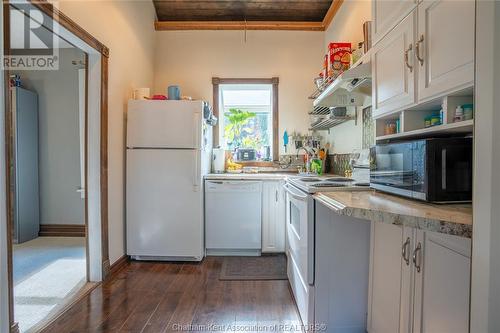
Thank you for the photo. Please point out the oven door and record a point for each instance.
(297, 228)
(299, 245)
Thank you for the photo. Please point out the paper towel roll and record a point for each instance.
(140, 93)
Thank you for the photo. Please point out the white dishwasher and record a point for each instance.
(233, 217)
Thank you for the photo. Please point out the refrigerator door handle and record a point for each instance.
(196, 178)
(197, 130)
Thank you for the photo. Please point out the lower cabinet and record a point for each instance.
(419, 281)
(273, 217)
(390, 291)
(442, 283)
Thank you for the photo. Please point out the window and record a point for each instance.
(247, 112)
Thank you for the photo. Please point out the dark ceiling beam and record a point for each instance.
(238, 25)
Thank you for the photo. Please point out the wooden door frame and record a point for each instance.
(74, 29)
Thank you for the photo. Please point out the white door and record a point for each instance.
(445, 40)
(165, 124)
(273, 217)
(394, 69)
(442, 283)
(386, 14)
(389, 274)
(164, 203)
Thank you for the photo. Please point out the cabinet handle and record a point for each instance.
(417, 50)
(410, 48)
(276, 195)
(415, 252)
(405, 253)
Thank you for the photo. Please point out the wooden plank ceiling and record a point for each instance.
(245, 14)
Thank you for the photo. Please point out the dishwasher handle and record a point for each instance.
(237, 182)
(233, 186)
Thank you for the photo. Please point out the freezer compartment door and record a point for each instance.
(165, 124)
(164, 203)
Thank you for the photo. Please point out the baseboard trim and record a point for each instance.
(118, 265)
(62, 230)
(84, 292)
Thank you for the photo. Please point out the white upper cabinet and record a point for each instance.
(386, 14)
(425, 55)
(273, 217)
(393, 66)
(445, 46)
(442, 283)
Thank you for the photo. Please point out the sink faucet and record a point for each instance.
(309, 153)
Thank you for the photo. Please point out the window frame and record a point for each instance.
(274, 81)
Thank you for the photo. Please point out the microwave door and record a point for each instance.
(393, 166)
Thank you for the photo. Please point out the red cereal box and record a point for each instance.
(339, 58)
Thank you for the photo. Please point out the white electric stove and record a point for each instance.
(300, 233)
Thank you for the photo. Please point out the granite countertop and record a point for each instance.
(452, 219)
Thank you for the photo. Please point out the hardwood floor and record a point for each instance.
(189, 297)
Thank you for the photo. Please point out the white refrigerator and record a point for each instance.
(169, 146)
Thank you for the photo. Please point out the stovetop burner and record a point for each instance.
(339, 179)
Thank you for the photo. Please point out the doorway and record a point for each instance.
(48, 183)
(72, 237)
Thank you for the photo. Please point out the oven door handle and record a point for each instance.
(294, 194)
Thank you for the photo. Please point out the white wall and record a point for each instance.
(485, 292)
(347, 26)
(191, 58)
(126, 27)
(59, 139)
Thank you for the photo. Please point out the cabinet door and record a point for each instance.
(442, 284)
(273, 217)
(445, 40)
(386, 14)
(390, 279)
(394, 69)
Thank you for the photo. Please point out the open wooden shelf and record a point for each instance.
(465, 126)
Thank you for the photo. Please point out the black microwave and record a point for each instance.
(434, 170)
